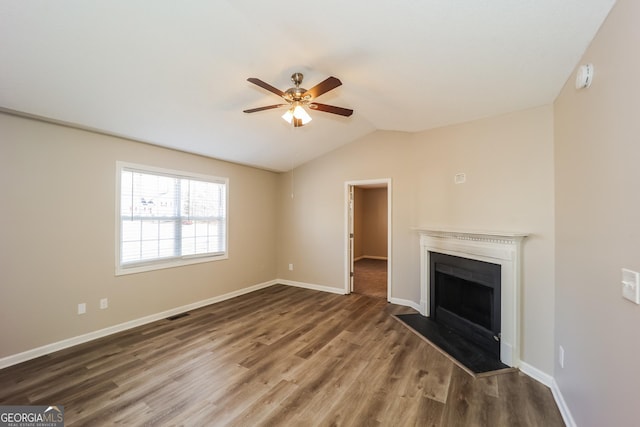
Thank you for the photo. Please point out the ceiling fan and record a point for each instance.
(298, 97)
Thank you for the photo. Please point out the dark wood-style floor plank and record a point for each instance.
(277, 356)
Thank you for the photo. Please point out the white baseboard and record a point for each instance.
(562, 405)
(406, 303)
(69, 342)
(311, 286)
(536, 374)
(550, 382)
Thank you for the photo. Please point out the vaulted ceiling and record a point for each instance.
(174, 73)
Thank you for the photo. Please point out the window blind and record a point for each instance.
(166, 216)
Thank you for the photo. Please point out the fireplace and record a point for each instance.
(498, 248)
(465, 298)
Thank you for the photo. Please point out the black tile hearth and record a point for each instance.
(474, 358)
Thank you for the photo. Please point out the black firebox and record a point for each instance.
(465, 297)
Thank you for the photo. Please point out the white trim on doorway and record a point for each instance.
(372, 183)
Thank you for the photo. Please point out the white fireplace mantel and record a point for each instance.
(494, 247)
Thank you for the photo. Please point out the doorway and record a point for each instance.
(368, 226)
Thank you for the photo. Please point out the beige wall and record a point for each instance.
(58, 237)
(312, 223)
(374, 239)
(508, 162)
(507, 159)
(597, 151)
(370, 222)
(509, 165)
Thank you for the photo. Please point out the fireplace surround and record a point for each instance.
(503, 249)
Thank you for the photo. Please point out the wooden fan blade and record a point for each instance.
(331, 109)
(323, 87)
(266, 86)
(268, 107)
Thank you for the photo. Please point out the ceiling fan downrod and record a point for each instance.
(297, 94)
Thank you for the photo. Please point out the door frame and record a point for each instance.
(348, 226)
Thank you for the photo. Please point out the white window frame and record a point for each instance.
(173, 262)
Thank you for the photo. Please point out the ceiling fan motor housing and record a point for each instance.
(295, 94)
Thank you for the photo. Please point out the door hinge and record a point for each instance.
(351, 274)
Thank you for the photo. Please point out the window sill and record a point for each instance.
(122, 271)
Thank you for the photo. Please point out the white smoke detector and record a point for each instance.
(584, 76)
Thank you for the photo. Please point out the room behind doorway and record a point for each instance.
(370, 242)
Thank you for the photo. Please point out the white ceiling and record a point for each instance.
(173, 73)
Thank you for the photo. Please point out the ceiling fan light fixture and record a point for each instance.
(288, 115)
(297, 115)
(300, 113)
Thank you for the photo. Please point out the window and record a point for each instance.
(168, 218)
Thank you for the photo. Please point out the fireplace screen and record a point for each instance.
(465, 297)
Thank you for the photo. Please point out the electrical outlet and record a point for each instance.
(290, 267)
(561, 356)
(104, 303)
(82, 308)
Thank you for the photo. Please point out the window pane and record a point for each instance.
(188, 246)
(149, 249)
(169, 216)
(149, 230)
(131, 230)
(202, 245)
(130, 252)
(166, 248)
(188, 228)
(126, 194)
(217, 231)
(167, 229)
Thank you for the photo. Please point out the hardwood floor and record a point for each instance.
(281, 356)
(370, 277)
